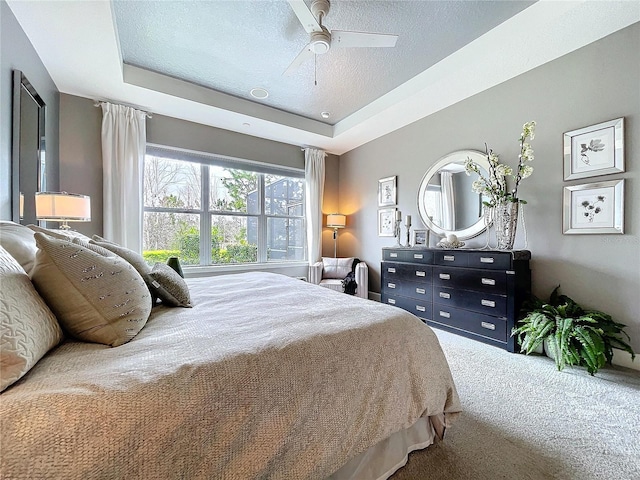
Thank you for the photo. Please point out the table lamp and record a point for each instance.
(63, 207)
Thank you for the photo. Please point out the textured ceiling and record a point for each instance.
(233, 46)
(230, 47)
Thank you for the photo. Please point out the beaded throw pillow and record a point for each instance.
(169, 286)
(28, 329)
(95, 298)
(134, 258)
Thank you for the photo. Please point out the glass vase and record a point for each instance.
(505, 221)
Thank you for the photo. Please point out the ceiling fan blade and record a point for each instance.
(344, 39)
(308, 21)
(302, 57)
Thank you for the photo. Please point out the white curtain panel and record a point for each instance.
(314, 189)
(124, 138)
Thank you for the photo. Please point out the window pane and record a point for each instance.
(285, 239)
(171, 235)
(234, 239)
(283, 195)
(233, 190)
(171, 183)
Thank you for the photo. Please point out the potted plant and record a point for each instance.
(571, 335)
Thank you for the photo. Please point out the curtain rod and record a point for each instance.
(98, 103)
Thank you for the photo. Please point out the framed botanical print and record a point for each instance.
(595, 150)
(386, 222)
(594, 208)
(387, 194)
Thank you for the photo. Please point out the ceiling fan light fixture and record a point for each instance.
(320, 42)
(259, 93)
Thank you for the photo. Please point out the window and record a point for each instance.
(209, 211)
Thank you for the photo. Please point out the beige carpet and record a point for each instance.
(525, 420)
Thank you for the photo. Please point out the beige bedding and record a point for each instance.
(266, 377)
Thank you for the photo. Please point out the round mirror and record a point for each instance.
(446, 202)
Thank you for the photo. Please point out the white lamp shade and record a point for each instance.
(63, 206)
(336, 220)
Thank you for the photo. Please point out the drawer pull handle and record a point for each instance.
(488, 326)
(445, 276)
(391, 301)
(486, 259)
(391, 285)
(445, 314)
(393, 255)
(420, 274)
(488, 303)
(417, 256)
(488, 281)
(450, 258)
(420, 308)
(421, 291)
(391, 270)
(445, 295)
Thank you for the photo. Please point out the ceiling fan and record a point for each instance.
(322, 39)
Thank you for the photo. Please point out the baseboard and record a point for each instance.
(374, 296)
(623, 359)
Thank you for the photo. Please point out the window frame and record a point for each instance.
(206, 214)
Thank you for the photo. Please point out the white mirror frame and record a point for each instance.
(457, 156)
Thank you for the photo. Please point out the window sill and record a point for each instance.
(286, 268)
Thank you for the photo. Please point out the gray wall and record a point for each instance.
(597, 83)
(81, 155)
(17, 53)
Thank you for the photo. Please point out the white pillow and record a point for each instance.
(336, 267)
(95, 298)
(28, 328)
(19, 242)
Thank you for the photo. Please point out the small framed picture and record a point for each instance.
(595, 150)
(386, 222)
(420, 238)
(387, 191)
(594, 208)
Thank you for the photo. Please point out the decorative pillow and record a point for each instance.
(336, 267)
(96, 299)
(94, 247)
(28, 328)
(134, 258)
(59, 233)
(169, 286)
(19, 242)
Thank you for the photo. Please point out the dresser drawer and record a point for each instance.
(484, 325)
(490, 260)
(408, 289)
(490, 281)
(481, 302)
(419, 308)
(407, 255)
(451, 258)
(407, 272)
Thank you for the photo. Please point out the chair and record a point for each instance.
(330, 272)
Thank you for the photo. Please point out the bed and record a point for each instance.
(265, 377)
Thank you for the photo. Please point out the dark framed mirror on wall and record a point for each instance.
(28, 161)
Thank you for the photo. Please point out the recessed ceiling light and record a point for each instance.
(325, 114)
(259, 93)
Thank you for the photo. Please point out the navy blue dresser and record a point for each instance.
(474, 293)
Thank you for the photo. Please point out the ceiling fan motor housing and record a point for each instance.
(320, 42)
